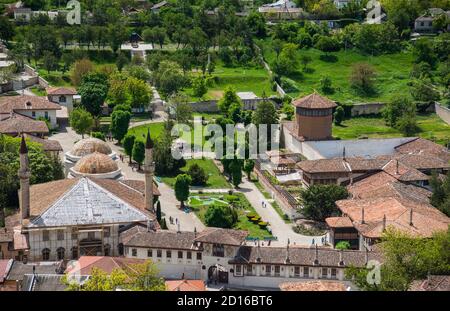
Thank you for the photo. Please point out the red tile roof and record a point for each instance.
(402, 172)
(5, 265)
(339, 222)
(315, 286)
(60, 91)
(186, 285)
(314, 101)
(26, 102)
(17, 123)
(423, 146)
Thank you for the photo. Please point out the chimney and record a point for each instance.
(396, 167)
(366, 255)
(411, 217)
(316, 257)
(178, 227)
(288, 260)
(362, 216)
(384, 222)
(149, 169)
(195, 232)
(343, 153)
(24, 176)
(341, 257)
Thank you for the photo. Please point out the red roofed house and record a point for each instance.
(186, 285)
(62, 96)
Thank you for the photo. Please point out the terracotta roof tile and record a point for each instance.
(60, 91)
(185, 285)
(17, 123)
(316, 286)
(314, 101)
(339, 222)
(85, 264)
(402, 172)
(26, 102)
(432, 283)
(47, 144)
(423, 146)
(222, 236)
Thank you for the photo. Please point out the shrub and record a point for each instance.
(198, 175)
(220, 216)
(263, 224)
(343, 245)
(98, 135)
(251, 215)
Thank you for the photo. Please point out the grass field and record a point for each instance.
(430, 125)
(215, 179)
(242, 79)
(254, 230)
(393, 72)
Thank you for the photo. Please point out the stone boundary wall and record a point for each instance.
(443, 112)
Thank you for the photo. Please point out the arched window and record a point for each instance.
(107, 250)
(45, 254)
(74, 252)
(61, 253)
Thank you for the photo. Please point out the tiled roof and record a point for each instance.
(303, 256)
(47, 144)
(96, 163)
(19, 269)
(314, 101)
(341, 165)
(90, 201)
(60, 91)
(315, 286)
(90, 145)
(26, 102)
(5, 265)
(141, 237)
(423, 146)
(185, 285)
(426, 219)
(43, 283)
(402, 172)
(85, 264)
(432, 283)
(222, 236)
(17, 123)
(422, 161)
(339, 222)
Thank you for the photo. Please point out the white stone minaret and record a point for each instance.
(149, 170)
(24, 176)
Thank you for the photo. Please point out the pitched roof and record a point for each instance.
(85, 264)
(426, 219)
(222, 236)
(141, 237)
(339, 222)
(402, 172)
(19, 269)
(43, 283)
(432, 283)
(26, 102)
(5, 265)
(185, 285)
(17, 123)
(47, 144)
(316, 286)
(314, 101)
(341, 165)
(60, 91)
(303, 256)
(88, 201)
(424, 146)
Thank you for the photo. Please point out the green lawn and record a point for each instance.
(252, 79)
(243, 223)
(38, 91)
(430, 125)
(216, 180)
(393, 72)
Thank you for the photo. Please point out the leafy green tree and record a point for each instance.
(327, 44)
(423, 52)
(181, 108)
(326, 85)
(249, 165)
(169, 78)
(198, 175)
(267, 114)
(98, 135)
(319, 201)
(120, 120)
(305, 60)
(229, 98)
(339, 115)
(135, 277)
(406, 259)
(362, 78)
(128, 144)
(139, 91)
(424, 91)
(342, 245)
(93, 90)
(138, 152)
(236, 172)
(441, 193)
(81, 68)
(288, 109)
(407, 125)
(287, 63)
(6, 29)
(199, 87)
(220, 216)
(50, 62)
(81, 121)
(165, 163)
(397, 108)
(181, 188)
(121, 61)
(257, 24)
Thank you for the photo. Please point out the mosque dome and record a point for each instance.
(96, 163)
(90, 145)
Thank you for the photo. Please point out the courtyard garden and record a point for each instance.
(246, 216)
